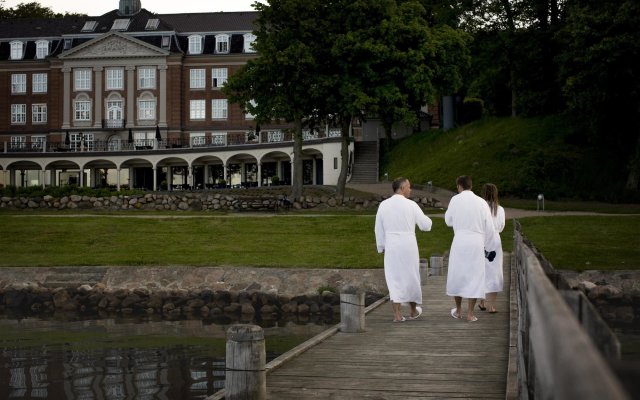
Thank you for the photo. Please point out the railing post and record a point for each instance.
(245, 376)
(424, 271)
(351, 310)
(436, 261)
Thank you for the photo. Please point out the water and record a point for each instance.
(125, 359)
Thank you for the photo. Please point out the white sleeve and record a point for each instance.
(379, 231)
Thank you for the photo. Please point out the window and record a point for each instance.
(18, 142)
(197, 138)
(18, 113)
(38, 142)
(89, 26)
(219, 108)
(335, 162)
(115, 79)
(16, 50)
(152, 24)
(120, 24)
(42, 49)
(197, 109)
(247, 114)
(81, 141)
(114, 114)
(249, 38)
(146, 109)
(144, 139)
(166, 42)
(82, 110)
(197, 79)
(146, 78)
(222, 44)
(82, 79)
(18, 83)
(335, 132)
(67, 44)
(39, 84)
(195, 44)
(218, 77)
(39, 113)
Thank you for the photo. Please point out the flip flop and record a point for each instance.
(419, 310)
(473, 320)
(400, 320)
(454, 314)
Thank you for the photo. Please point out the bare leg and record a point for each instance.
(458, 300)
(491, 300)
(413, 309)
(470, 315)
(397, 316)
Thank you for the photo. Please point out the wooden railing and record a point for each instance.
(557, 355)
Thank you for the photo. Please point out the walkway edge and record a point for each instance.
(512, 391)
(301, 348)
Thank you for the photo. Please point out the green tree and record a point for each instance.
(600, 78)
(31, 10)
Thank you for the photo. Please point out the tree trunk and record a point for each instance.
(296, 183)
(344, 155)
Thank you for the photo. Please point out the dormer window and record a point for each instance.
(121, 24)
(222, 44)
(152, 24)
(195, 44)
(42, 49)
(249, 38)
(89, 26)
(166, 42)
(67, 44)
(17, 50)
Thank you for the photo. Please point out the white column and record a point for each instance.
(130, 178)
(81, 176)
(44, 172)
(66, 98)
(169, 177)
(190, 180)
(155, 179)
(206, 175)
(97, 121)
(118, 179)
(259, 174)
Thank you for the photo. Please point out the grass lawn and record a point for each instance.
(291, 240)
(587, 242)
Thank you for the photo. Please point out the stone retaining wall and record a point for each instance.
(194, 201)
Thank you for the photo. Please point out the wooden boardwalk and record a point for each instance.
(433, 357)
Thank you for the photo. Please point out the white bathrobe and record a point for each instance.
(470, 217)
(396, 220)
(494, 280)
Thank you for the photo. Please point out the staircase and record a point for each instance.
(365, 165)
(72, 277)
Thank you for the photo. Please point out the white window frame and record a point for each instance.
(166, 42)
(247, 114)
(121, 24)
(18, 142)
(18, 114)
(249, 38)
(39, 113)
(219, 77)
(42, 49)
(82, 79)
(195, 44)
(152, 24)
(67, 44)
(39, 83)
(89, 26)
(197, 110)
(197, 78)
(37, 142)
(219, 109)
(222, 43)
(146, 109)
(143, 138)
(82, 110)
(114, 79)
(18, 83)
(146, 78)
(17, 50)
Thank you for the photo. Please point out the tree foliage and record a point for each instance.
(30, 10)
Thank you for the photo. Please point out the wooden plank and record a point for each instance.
(435, 356)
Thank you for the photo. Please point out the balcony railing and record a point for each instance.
(214, 140)
(113, 123)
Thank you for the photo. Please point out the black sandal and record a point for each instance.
(482, 308)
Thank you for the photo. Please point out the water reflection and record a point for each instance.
(124, 359)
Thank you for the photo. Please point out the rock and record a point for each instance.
(247, 309)
(586, 286)
(63, 301)
(303, 309)
(130, 300)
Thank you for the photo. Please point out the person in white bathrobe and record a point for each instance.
(494, 279)
(473, 230)
(396, 220)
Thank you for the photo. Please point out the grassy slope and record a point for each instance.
(521, 156)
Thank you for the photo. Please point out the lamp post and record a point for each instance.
(540, 201)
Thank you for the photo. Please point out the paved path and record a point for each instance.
(433, 357)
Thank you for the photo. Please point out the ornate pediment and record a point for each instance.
(113, 45)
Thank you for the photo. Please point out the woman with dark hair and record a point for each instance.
(493, 277)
